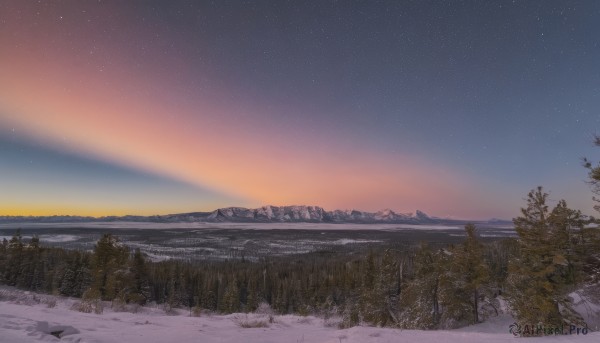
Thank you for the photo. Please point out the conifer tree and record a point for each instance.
(390, 276)
(140, 289)
(547, 265)
(3, 260)
(252, 298)
(14, 259)
(36, 267)
(373, 298)
(380, 292)
(461, 284)
(594, 175)
(231, 297)
(108, 266)
(590, 237)
(420, 299)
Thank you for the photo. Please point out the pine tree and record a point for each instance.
(594, 175)
(420, 299)
(252, 298)
(140, 289)
(547, 265)
(231, 297)
(3, 260)
(14, 259)
(590, 237)
(390, 279)
(36, 269)
(280, 303)
(109, 267)
(380, 290)
(373, 297)
(463, 280)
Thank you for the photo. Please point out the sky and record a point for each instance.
(455, 108)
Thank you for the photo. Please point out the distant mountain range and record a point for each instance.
(265, 214)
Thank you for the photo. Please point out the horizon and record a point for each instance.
(404, 213)
(456, 109)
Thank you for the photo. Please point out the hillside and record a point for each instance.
(29, 317)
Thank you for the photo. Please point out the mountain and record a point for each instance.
(265, 214)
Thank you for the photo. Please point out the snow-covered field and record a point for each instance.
(221, 241)
(244, 226)
(27, 317)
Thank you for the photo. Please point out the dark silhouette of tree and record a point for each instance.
(109, 267)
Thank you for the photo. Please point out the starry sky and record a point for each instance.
(456, 108)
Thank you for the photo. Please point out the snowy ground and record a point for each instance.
(226, 241)
(238, 226)
(26, 317)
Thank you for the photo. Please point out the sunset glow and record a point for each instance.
(111, 84)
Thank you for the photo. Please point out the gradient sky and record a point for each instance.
(457, 108)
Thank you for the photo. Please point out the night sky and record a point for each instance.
(456, 108)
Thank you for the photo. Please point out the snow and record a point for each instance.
(58, 238)
(47, 238)
(247, 226)
(345, 241)
(28, 317)
(585, 304)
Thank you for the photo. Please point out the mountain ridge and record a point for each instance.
(264, 214)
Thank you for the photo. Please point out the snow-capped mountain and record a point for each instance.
(265, 214)
(269, 214)
(311, 214)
